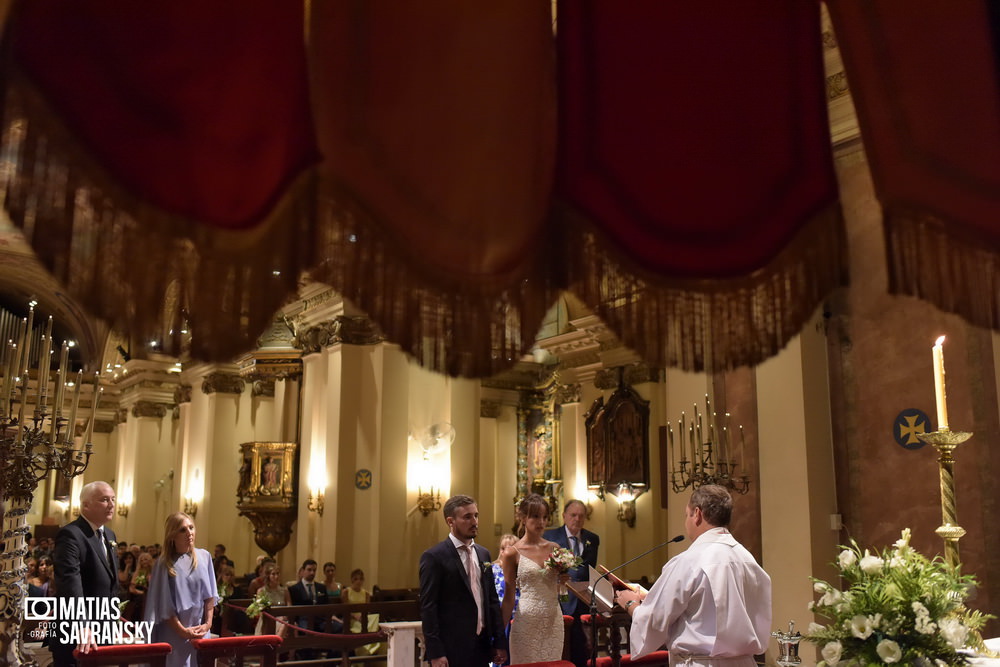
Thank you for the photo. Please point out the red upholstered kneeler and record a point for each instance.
(655, 658)
(264, 646)
(125, 654)
(553, 663)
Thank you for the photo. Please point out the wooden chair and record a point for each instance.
(121, 655)
(264, 647)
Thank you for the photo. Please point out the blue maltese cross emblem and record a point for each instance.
(908, 424)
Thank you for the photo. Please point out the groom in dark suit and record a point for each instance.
(572, 535)
(459, 607)
(85, 559)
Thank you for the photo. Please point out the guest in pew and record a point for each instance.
(276, 593)
(307, 591)
(333, 587)
(356, 594)
(138, 587)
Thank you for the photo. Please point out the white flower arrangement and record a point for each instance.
(899, 607)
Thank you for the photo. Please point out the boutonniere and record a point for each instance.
(587, 543)
(486, 566)
(112, 544)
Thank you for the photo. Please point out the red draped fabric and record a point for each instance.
(667, 162)
(694, 138)
(925, 83)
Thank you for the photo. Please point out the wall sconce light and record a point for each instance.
(627, 495)
(596, 491)
(195, 494)
(316, 501)
(428, 502)
(125, 500)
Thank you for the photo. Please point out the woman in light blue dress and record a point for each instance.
(182, 592)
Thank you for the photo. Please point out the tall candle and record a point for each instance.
(743, 443)
(44, 363)
(98, 390)
(57, 401)
(670, 446)
(681, 430)
(8, 351)
(940, 396)
(71, 424)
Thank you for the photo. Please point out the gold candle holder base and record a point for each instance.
(945, 441)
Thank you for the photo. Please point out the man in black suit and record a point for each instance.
(85, 561)
(460, 612)
(572, 535)
(307, 591)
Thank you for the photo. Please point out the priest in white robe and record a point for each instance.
(712, 603)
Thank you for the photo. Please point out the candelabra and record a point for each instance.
(31, 447)
(711, 461)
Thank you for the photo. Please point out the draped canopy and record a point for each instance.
(450, 167)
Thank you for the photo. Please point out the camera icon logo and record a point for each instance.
(39, 609)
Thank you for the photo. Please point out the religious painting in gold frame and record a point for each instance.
(618, 440)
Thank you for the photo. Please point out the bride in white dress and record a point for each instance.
(537, 633)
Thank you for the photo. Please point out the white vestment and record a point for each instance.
(710, 603)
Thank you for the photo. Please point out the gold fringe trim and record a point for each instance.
(460, 327)
(710, 325)
(929, 260)
(145, 271)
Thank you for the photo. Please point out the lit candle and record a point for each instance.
(939, 391)
(743, 443)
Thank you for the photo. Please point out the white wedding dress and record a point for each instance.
(537, 633)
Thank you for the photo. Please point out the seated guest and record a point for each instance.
(137, 588)
(307, 591)
(39, 585)
(333, 586)
(126, 566)
(220, 558)
(258, 582)
(228, 590)
(276, 594)
(356, 594)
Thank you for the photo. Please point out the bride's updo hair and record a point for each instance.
(533, 505)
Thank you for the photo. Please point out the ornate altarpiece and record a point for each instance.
(618, 440)
(267, 491)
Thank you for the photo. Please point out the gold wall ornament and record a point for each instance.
(945, 441)
(149, 409)
(263, 388)
(266, 493)
(429, 501)
(223, 383)
(182, 394)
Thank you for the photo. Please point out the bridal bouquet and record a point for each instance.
(141, 579)
(260, 602)
(899, 607)
(562, 561)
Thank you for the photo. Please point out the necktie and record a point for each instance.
(104, 544)
(574, 542)
(476, 583)
(312, 593)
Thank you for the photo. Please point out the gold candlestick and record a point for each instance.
(945, 442)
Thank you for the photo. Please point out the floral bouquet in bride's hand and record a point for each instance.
(898, 607)
(562, 561)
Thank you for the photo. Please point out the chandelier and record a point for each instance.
(704, 460)
(32, 445)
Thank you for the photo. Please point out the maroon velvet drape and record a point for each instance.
(693, 206)
(925, 82)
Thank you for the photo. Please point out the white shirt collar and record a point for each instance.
(569, 534)
(458, 543)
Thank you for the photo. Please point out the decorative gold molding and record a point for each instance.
(149, 409)
(346, 329)
(568, 393)
(105, 425)
(223, 383)
(490, 409)
(836, 85)
(263, 365)
(121, 415)
(633, 374)
(263, 388)
(182, 394)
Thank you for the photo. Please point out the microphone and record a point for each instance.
(677, 538)
(593, 588)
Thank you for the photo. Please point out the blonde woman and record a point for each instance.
(182, 592)
(276, 592)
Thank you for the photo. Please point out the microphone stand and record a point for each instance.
(593, 595)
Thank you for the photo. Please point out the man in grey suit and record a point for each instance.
(572, 535)
(86, 562)
(459, 607)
